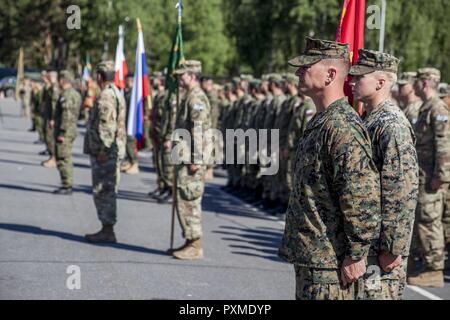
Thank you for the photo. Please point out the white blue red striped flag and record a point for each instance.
(140, 93)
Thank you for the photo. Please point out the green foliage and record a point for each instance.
(228, 36)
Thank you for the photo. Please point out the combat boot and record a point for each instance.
(171, 251)
(154, 193)
(50, 163)
(105, 235)
(428, 278)
(165, 198)
(63, 191)
(193, 251)
(133, 169)
(125, 166)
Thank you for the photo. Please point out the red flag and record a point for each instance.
(121, 70)
(351, 31)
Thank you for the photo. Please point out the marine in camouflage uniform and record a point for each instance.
(105, 144)
(66, 115)
(433, 148)
(207, 85)
(394, 153)
(194, 116)
(411, 102)
(50, 98)
(444, 94)
(280, 188)
(333, 215)
(36, 101)
(155, 131)
(252, 179)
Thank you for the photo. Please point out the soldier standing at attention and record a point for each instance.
(334, 210)
(394, 153)
(410, 102)
(51, 96)
(130, 165)
(433, 150)
(66, 115)
(194, 116)
(105, 143)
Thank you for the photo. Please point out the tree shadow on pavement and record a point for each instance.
(257, 242)
(76, 238)
(218, 201)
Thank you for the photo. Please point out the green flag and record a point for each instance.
(176, 55)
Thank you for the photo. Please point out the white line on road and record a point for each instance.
(424, 293)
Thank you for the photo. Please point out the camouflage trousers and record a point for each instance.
(38, 125)
(428, 235)
(163, 165)
(379, 285)
(49, 137)
(131, 150)
(105, 186)
(147, 140)
(167, 167)
(280, 188)
(324, 284)
(190, 188)
(446, 218)
(64, 163)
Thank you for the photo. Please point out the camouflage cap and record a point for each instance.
(429, 74)
(276, 78)
(193, 66)
(407, 77)
(317, 50)
(291, 78)
(246, 77)
(370, 61)
(228, 86)
(443, 90)
(255, 83)
(235, 80)
(67, 74)
(105, 66)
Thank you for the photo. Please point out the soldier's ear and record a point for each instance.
(381, 83)
(332, 74)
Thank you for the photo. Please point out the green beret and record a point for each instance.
(255, 83)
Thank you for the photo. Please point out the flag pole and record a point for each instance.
(179, 8)
(383, 25)
(149, 97)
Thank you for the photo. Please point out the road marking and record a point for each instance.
(424, 293)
